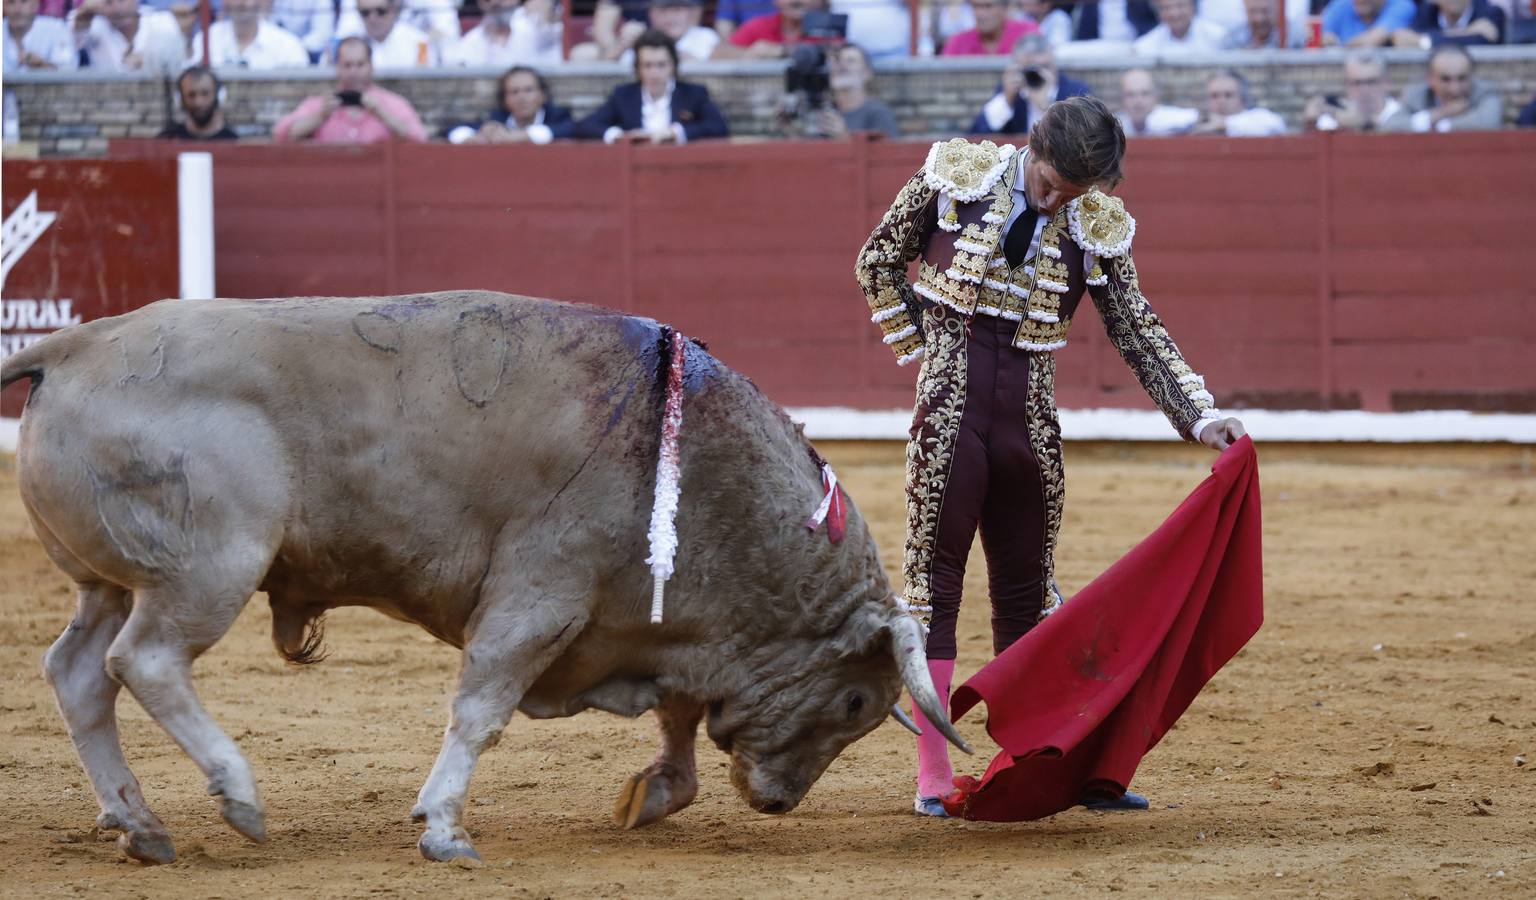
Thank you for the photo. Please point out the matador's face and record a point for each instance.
(1048, 190)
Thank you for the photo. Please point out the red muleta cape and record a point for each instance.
(1078, 701)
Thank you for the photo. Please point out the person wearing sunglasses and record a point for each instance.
(395, 44)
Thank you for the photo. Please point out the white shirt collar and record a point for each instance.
(1463, 22)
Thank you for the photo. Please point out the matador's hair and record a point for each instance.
(1082, 140)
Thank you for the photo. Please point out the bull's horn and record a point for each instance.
(901, 716)
(912, 659)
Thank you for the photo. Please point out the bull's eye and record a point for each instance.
(855, 703)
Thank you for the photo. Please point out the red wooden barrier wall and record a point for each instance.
(1377, 272)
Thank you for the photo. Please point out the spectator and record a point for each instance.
(437, 19)
(679, 20)
(1465, 22)
(770, 36)
(852, 109)
(201, 99)
(512, 34)
(394, 44)
(117, 36)
(732, 14)
(944, 19)
(313, 22)
(1527, 117)
(995, 32)
(1365, 23)
(1365, 106)
(35, 42)
(881, 28)
(1143, 116)
(1030, 84)
(656, 107)
(242, 38)
(1230, 110)
(1451, 99)
(523, 113)
(1114, 21)
(1260, 29)
(1053, 21)
(615, 26)
(1181, 31)
(359, 112)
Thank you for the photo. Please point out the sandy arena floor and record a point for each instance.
(1364, 744)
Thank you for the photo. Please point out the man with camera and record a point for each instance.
(1366, 104)
(1030, 84)
(358, 112)
(827, 95)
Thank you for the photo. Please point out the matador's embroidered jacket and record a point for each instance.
(952, 214)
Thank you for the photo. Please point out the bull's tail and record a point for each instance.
(31, 360)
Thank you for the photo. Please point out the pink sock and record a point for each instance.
(935, 777)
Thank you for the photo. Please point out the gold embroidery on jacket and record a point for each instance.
(930, 452)
(1045, 439)
(1138, 334)
(882, 267)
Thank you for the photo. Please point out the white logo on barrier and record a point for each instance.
(23, 322)
(21, 230)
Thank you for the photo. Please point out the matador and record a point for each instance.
(1007, 240)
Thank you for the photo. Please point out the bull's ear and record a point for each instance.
(864, 633)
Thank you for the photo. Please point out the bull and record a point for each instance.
(481, 465)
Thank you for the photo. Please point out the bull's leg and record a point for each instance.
(152, 656)
(672, 781)
(76, 668)
(510, 644)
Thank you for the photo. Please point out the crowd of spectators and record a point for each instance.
(654, 37)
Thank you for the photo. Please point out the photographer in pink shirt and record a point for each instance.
(359, 112)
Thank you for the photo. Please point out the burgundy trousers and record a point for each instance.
(985, 453)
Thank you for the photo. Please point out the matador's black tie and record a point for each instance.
(1016, 243)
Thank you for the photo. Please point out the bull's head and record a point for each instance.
(804, 706)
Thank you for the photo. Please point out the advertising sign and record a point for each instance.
(83, 240)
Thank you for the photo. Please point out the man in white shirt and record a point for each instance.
(395, 44)
(1365, 106)
(678, 20)
(510, 34)
(1230, 110)
(244, 39)
(117, 36)
(35, 42)
(1141, 114)
(1181, 32)
(437, 19)
(311, 21)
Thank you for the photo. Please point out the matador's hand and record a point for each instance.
(1220, 434)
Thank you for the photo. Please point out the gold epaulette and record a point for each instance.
(966, 171)
(1100, 225)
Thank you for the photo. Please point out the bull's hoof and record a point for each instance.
(440, 847)
(245, 818)
(651, 796)
(148, 847)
